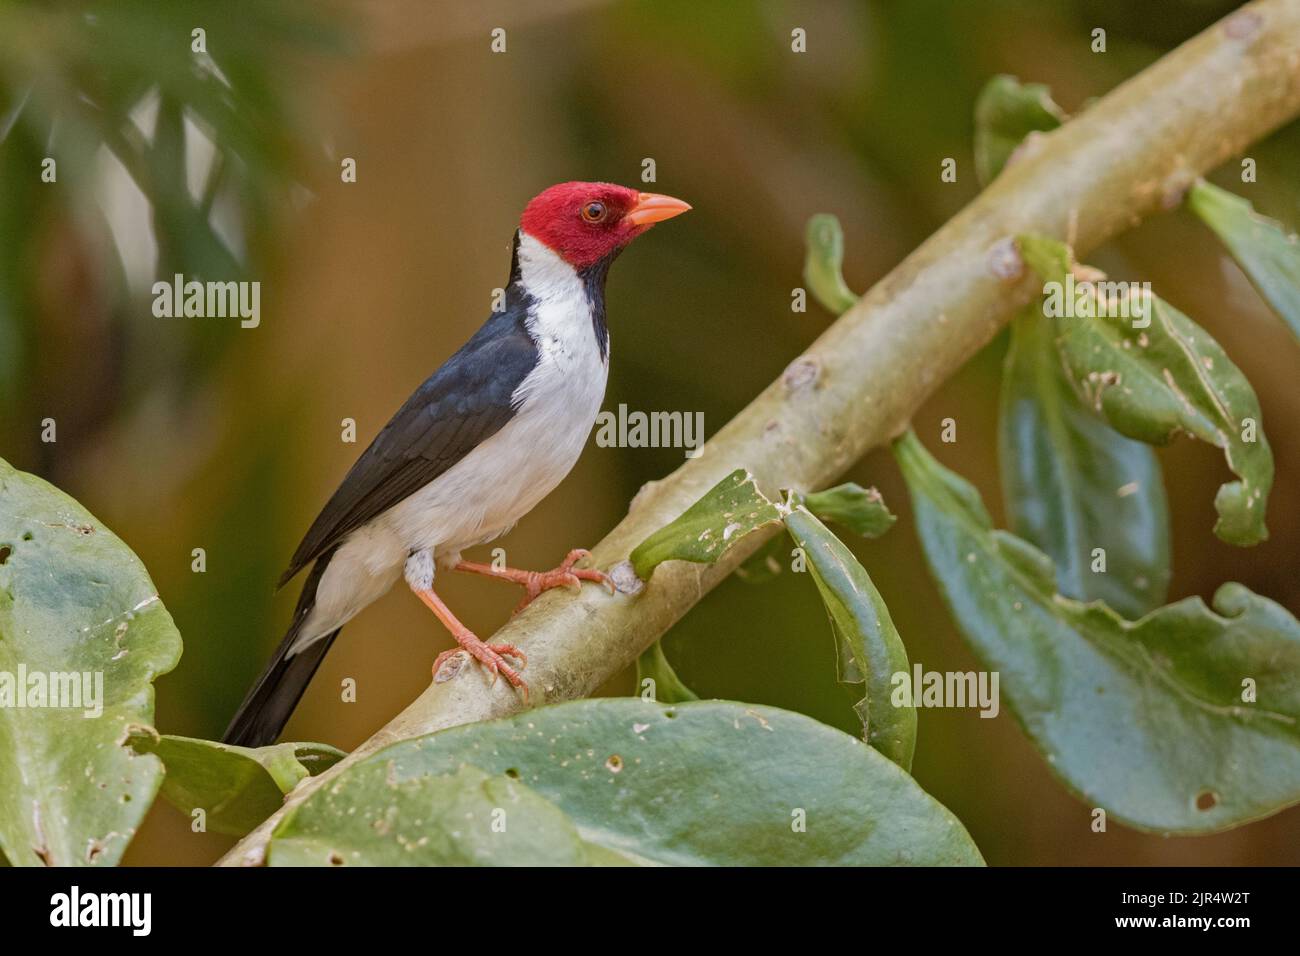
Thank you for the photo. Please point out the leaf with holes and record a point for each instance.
(1266, 252)
(1153, 374)
(235, 787)
(463, 818)
(1006, 112)
(870, 651)
(1072, 484)
(703, 532)
(1186, 721)
(82, 637)
(708, 782)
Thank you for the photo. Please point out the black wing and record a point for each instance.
(461, 405)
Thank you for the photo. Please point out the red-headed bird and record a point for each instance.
(483, 440)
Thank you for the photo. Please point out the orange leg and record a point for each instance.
(535, 582)
(491, 656)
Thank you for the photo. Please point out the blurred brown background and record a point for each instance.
(196, 433)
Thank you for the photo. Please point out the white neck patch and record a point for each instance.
(544, 274)
(561, 319)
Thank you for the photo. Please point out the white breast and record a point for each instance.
(496, 484)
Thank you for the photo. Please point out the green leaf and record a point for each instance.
(464, 818)
(1005, 113)
(668, 687)
(236, 787)
(730, 510)
(824, 263)
(1152, 720)
(1154, 374)
(1071, 483)
(870, 650)
(74, 601)
(707, 782)
(1266, 252)
(861, 510)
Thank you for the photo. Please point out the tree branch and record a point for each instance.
(1134, 152)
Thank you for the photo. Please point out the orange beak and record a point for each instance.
(652, 207)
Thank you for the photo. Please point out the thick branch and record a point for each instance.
(1133, 153)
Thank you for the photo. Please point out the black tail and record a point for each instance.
(267, 706)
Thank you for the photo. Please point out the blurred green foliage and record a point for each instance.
(195, 101)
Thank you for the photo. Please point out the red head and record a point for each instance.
(585, 222)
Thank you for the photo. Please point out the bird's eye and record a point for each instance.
(593, 211)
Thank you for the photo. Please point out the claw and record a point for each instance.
(491, 656)
(509, 650)
(598, 577)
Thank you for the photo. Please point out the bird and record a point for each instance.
(479, 444)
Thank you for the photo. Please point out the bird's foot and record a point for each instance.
(491, 656)
(563, 576)
(535, 582)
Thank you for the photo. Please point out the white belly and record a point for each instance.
(501, 480)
